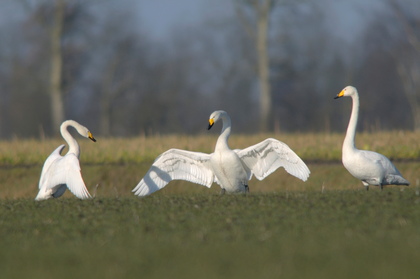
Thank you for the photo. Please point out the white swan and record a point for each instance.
(62, 172)
(370, 167)
(231, 169)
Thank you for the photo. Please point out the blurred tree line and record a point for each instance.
(94, 62)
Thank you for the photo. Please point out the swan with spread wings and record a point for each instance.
(62, 172)
(231, 169)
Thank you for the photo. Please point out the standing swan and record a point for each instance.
(62, 172)
(231, 169)
(370, 167)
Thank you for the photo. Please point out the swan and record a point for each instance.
(370, 167)
(62, 172)
(231, 169)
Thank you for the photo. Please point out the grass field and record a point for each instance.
(339, 234)
(323, 228)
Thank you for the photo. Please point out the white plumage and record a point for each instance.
(370, 167)
(231, 169)
(62, 172)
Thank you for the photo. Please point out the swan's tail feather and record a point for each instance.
(396, 180)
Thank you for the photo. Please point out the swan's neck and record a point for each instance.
(73, 145)
(222, 141)
(351, 129)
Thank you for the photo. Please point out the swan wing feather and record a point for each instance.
(265, 157)
(176, 164)
(381, 160)
(56, 154)
(65, 170)
(74, 178)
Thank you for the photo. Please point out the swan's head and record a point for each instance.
(86, 133)
(82, 130)
(346, 92)
(215, 116)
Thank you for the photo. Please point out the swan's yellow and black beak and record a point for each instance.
(211, 123)
(339, 95)
(90, 136)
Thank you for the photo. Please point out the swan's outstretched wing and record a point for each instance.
(265, 157)
(53, 156)
(176, 164)
(64, 170)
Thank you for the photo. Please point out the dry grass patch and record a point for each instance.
(398, 145)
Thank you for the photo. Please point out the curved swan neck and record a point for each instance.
(73, 145)
(222, 141)
(351, 129)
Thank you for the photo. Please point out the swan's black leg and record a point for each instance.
(366, 185)
(222, 192)
(382, 187)
(246, 189)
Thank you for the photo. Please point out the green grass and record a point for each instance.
(307, 234)
(117, 180)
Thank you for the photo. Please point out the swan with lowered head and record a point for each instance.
(370, 167)
(62, 172)
(231, 169)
